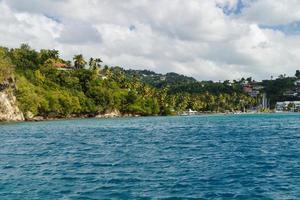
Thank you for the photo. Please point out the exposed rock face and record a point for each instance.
(110, 114)
(9, 110)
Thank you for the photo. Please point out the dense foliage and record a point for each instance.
(160, 80)
(275, 89)
(49, 86)
(5, 65)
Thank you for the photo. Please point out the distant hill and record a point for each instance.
(160, 80)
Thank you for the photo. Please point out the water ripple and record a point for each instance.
(201, 157)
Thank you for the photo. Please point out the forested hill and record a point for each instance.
(160, 80)
(49, 86)
(177, 83)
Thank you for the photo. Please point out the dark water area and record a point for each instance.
(196, 157)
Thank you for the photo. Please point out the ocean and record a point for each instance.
(187, 157)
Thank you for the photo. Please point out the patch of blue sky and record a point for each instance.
(54, 18)
(289, 29)
(233, 10)
(132, 27)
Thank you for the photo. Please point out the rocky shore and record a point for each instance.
(108, 114)
(9, 110)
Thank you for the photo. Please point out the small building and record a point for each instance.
(290, 93)
(297, 106)
(254, 93)
(188, 112)
(192, 112)
(253, 89)
(280, 106)
(297, 86)
(288, 106)
(258, 87)
(247, 88)
(163, 78)
(63, 66)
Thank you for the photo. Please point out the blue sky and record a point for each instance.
(206, 39)
(292, 28)
(235, 10)
(287, 28)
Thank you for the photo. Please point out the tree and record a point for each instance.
(249, 79)
(44, 90)
(5, 66)
(25, 58)
(94, 63)
(297, 73)
(46, 54)
(79, 61)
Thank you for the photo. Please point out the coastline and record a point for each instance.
(107, 116)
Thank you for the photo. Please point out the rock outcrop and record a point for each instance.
(9, 110)
(110, 114)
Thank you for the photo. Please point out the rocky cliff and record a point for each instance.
(9, 110)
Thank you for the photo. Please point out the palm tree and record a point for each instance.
(109, 73)
(97, 62)
(91, 63)
(79, 61)
(94, 63)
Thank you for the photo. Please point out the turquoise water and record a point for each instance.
(200, 157)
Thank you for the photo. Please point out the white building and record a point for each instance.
(288, 106)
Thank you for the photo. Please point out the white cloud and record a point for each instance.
(19, 28)
(272, 12)
(78, 33)
(192, 37)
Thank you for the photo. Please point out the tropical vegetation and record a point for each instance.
(49, 86)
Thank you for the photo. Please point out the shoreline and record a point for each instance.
(42, 119)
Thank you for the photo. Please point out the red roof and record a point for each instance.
(60, 65)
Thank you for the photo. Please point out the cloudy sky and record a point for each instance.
(206, 39)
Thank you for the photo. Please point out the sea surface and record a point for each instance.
(192, 157)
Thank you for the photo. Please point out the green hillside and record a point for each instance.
(49, 86)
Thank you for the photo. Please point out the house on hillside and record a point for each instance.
(247, 88)
(254, 93)
(163, 78)
(252, 88)
(297, 86)
(63, 66)
(294, 91)
(290, 93)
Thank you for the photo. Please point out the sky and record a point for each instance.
(206, 39)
